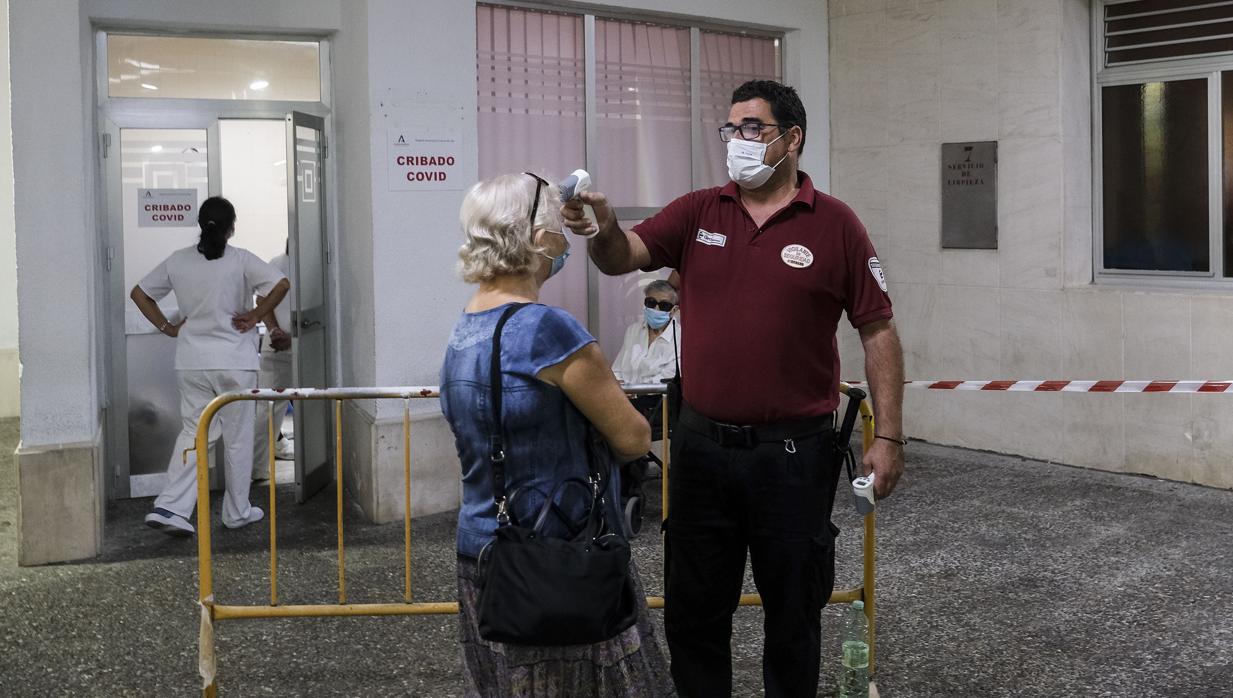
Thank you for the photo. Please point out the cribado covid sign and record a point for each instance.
(166, 208)
(424, 149)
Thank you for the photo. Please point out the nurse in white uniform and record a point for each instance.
(216, 352)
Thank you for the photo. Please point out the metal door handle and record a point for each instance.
(308, 324)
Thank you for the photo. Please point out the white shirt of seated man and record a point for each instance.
(649, 353)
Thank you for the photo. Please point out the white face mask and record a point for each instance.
(745, 165)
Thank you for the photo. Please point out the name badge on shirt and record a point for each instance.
(797, 256)
(709, 238)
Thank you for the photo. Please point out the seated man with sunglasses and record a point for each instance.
(650, 350)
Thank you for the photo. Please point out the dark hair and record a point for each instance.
(216, 218)
(785, 104)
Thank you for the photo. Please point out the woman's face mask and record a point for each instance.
(558, 262)
(745, 165)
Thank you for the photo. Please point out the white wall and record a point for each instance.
(353, 187)
(909, 76)
(415, 233)
(9, 366)
(54, 219)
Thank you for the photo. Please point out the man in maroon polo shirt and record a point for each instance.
(767, 266)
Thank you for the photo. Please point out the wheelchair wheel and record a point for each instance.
(633, 515)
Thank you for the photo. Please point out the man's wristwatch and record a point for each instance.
(901, 442)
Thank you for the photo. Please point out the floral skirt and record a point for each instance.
(630, 665)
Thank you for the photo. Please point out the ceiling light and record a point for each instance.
(258, 84)
(156, 149)
(148, 86)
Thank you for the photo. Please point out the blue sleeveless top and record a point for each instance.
(545, 435)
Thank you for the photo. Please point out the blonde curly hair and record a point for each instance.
(495, 218)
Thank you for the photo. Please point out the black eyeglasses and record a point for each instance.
(662, 305)
(540, 183)
(750, 130)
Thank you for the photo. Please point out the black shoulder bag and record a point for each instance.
(541, 590)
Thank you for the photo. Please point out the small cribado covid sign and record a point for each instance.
(166, 208)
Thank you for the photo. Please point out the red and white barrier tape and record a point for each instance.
(1061, 386)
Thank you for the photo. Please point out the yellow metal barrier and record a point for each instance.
(211, 611)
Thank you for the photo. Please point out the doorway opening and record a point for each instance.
(183, 118)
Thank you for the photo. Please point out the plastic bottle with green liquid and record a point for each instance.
(854, 672)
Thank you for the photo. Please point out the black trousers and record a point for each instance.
(777, 505)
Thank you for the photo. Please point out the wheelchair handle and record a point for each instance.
(855, 396)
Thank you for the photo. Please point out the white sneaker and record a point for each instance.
(255, 514)
(285, 449)
(170, 523)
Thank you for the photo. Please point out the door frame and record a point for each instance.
(114, 114)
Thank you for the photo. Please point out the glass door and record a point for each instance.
(152, 173)
(314, 421)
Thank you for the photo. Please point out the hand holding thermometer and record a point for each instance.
(577, 182)
(862, 492)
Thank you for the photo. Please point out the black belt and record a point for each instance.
(750, 435)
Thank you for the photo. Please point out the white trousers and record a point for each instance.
(234, 422)
(275, 373)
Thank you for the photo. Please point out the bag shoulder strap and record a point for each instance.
(496, 441)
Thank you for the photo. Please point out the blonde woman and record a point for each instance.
(555, 381)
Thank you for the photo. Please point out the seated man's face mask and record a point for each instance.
(655, 314)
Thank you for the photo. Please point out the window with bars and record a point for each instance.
(1164, 142)
(643, 134)
(1153, 30)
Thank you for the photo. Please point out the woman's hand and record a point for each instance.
(280, 340)
(245, 321)
(174, 330)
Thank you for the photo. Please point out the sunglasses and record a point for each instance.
(540, 183)
(662, 305)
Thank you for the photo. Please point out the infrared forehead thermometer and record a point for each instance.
(577, 182)
(862, 493)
